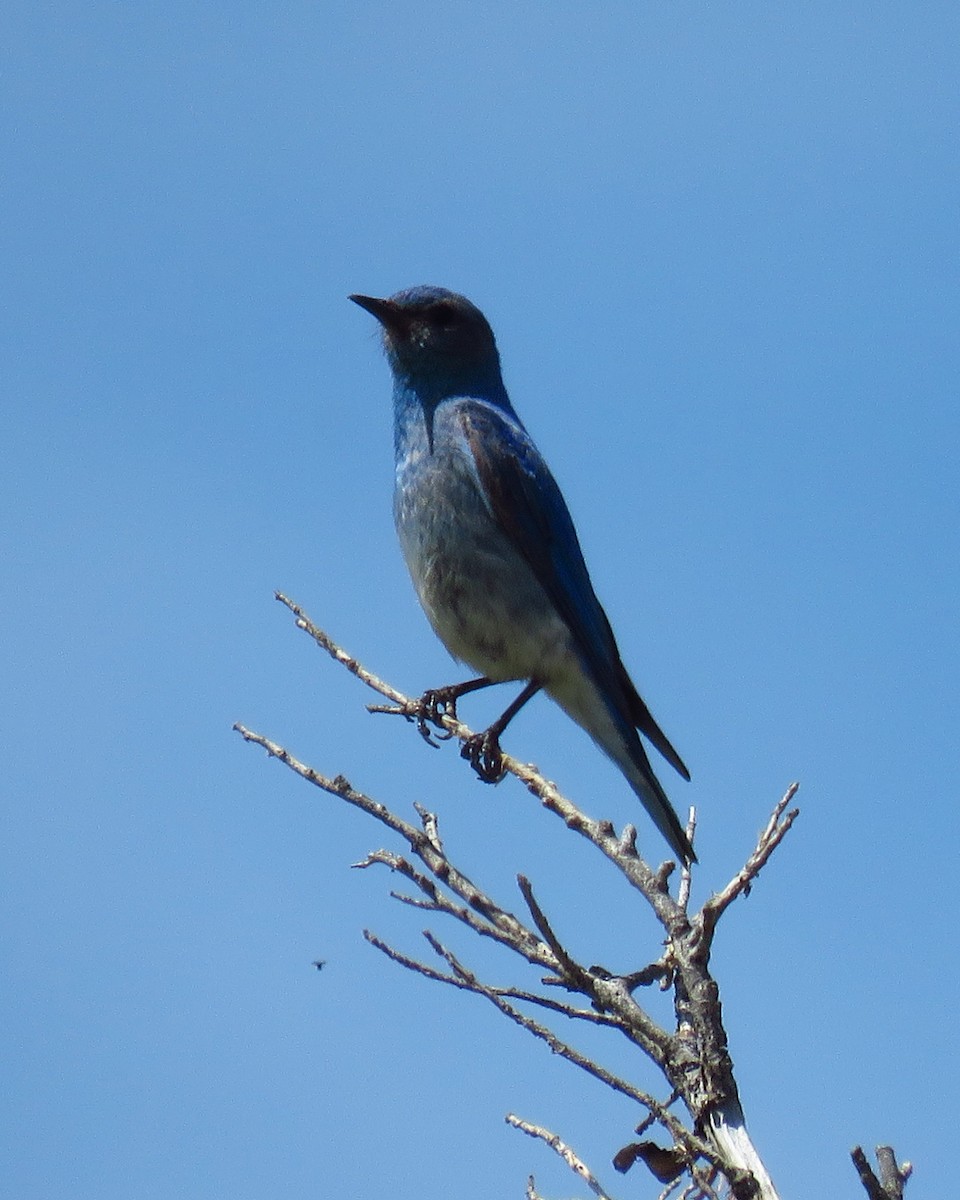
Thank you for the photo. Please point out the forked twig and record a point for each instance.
(693, 1058)
(573, 1161)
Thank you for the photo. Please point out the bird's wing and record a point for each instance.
(526, 502)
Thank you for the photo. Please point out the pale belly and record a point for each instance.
(479, 594)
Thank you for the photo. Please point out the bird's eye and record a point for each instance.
(443, 314)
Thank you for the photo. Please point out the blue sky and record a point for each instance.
(718, 244)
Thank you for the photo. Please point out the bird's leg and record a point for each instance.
(483, 751)
(437, 703)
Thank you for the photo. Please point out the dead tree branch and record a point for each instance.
(576, 1164)
(893, 1177)
(711, 1149)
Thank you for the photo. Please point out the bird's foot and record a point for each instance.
(431, 708)
(483, 753)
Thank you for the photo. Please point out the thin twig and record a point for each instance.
(574, 974)
(775, 831)
(601, 833)
(636, 1024)
(893, 1177)
(438, 901)
(522, 940)
(573, 1161)
(694, 1146)
(338, 654)
(413, 964)
(686, 871)
(695, 1059)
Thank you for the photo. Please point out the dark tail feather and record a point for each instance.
(643, 719)
(654, 799)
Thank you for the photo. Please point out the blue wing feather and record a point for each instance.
(527, 504)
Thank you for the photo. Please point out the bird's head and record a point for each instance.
(436, 339)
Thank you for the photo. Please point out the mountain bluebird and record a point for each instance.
(492, 550)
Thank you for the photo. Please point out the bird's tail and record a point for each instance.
(639, 774)
(614, 732)
(643, 719)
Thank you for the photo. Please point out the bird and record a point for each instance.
(492, 550)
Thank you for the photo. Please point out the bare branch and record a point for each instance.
(576, 975)
(430, 827)
(686, 872)
(776, 830)
(694, 1059)
(338, 654)
(693, 1145)
(573, 1161)
(436, 900)
(412, 964)
(702, 1187)
(651, 1119)
(520, 938)
(622, 853)
(614, 995)
(892, 1179)
(660, 972)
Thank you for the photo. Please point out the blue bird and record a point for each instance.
(492, 550)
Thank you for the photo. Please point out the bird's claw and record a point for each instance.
(433, 706)
(482, 750)
(483, 753)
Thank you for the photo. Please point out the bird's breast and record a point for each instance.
(479, 594)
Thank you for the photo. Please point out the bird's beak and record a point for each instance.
(385, 311)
